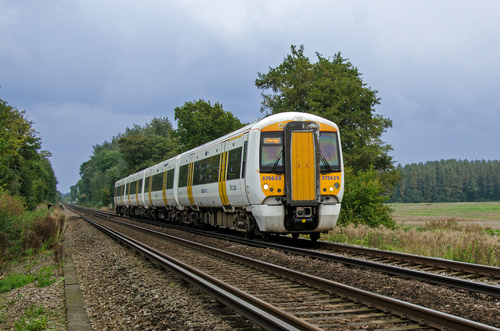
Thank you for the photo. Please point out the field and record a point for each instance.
(484, 214)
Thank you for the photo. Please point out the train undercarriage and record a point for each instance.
(298, 220)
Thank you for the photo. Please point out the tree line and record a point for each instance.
(140, 147)
(25, 169)
(448, 181)
(330, 87)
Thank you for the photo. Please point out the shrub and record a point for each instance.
(363, 201)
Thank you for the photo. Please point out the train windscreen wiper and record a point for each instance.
(275, 166)
(325, 162)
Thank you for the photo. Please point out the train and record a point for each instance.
(280, 175)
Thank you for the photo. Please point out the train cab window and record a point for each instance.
(271, 152)
(329, 148)
(234, 164)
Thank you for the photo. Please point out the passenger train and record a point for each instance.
(280, 175)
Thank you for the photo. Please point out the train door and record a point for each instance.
(223, 175)
(302, 163)
(243, 188)
(235, 182)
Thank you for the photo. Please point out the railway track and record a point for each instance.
(277, 298)
(426, 269)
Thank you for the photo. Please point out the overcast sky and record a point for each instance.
(86, 70)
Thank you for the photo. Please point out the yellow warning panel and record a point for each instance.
(303, 168)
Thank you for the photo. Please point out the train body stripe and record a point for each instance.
(190, 184)
(137, 193)
(163, 188)
(222, 179)
(128, 194)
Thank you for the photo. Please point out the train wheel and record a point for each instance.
(314, 236)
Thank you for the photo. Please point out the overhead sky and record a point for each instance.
(84, 70)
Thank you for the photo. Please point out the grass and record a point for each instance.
(33, 319)
(443, 230)
(462, 210)
(44, 277)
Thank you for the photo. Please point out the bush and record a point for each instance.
(363, 201)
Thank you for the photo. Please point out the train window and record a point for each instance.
(146, 186)
(234, 164)
(133, 187)
(243, 166)
(197, 173)
(157, 184)
(139, 188)
(183, 175)
(212, 165)
(329, 147)
(271, 152)
(170, 179)
(206, 170)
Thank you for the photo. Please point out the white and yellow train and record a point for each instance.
(282, 174)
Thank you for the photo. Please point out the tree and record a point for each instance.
(332, 88)
(199, 122)
(24, 170)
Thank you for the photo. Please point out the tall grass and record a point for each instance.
(448, 239)
(24, 232)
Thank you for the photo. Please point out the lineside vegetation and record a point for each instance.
(451, 239)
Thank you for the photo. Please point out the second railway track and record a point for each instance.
(432, 270)
(323, 303)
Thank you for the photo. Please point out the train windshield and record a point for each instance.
(271, 152)
(330, 156)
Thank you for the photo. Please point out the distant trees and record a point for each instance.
(139, 147)
(143, 146)
(25, 170)
(448, 181)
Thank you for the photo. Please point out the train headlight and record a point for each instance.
(336, 185)
(266, 186)
(331, 188)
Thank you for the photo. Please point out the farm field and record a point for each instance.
(484, 214)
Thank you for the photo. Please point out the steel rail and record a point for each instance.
(421, 315)
(256, 310)
(483, 270)
(383, 268)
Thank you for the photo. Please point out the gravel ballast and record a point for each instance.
(122, 291)
(477, 307)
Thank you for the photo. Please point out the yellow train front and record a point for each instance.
(297, 182)
(280, 175)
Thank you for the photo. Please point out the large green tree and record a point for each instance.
(199, 122)
(24, 169)
(333, 88)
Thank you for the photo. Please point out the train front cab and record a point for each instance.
(301, 176)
